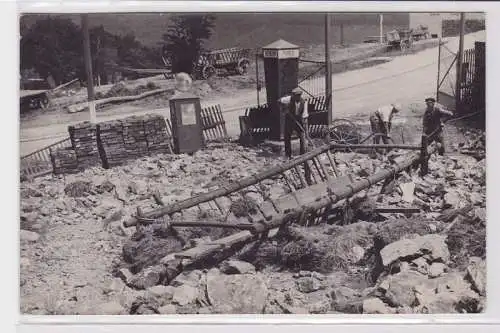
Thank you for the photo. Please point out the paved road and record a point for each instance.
(405, 80)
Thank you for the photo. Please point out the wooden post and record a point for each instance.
(88, 67)
(439, 70)
(424, 159)
(328, 77)
(381, 28)
(342, 34)
(257, 77)
(460, 54)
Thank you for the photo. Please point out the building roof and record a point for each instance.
(280, 44)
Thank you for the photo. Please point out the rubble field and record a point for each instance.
(75, 252)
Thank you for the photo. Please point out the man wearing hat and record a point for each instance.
(295, 120)
(381, 121)
(432, 121)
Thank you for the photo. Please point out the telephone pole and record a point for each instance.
(460, 54)
(381, 27)
(328, 68)
(88, 67)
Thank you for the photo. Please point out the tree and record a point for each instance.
(53, 46)
(184, 40)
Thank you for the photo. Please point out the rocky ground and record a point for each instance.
(72, 242)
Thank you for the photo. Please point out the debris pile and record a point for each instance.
(356, 259)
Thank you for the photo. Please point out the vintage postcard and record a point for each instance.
(324, 163)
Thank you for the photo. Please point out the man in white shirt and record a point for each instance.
(295, 120)
(381, 121)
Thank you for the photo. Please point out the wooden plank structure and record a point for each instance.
(256, 123)
(289, 208)
(38, 163)
(214, 125)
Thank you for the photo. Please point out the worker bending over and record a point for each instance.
(296, 114)
(432, 122)
(381, 120)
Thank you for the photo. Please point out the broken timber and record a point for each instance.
(290, 207)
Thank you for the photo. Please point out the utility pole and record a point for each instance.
(460, 54)
(88, 67)
(381, 27)
(328, 68)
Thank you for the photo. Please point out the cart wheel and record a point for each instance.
(242, 67)
(343, 131)
(208, 72)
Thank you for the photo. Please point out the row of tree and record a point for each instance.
(53, 47)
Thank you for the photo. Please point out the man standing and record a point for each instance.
(381, 121)
(432, 122)
(296, 115)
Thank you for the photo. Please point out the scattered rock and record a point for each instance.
(397, 289)
(111, 308)
(242, 293)
(237, 267)
(476, 274)
(452, 199)
(115, 286)
(167, 309)
(160, 291)
(29, 236)
(431, 245)
(146, 278)
(185, 295)
(376, 306)
(308, 284)
(436, 269)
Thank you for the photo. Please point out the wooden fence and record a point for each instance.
(472, 87)
(39, 163)
(256, 124)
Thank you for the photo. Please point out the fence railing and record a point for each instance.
(38, 163)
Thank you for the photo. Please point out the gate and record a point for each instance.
(471, 89)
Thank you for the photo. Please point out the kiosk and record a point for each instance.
(281, 66)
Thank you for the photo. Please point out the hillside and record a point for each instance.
(248, 29)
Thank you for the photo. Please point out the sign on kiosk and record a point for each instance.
(185, 115)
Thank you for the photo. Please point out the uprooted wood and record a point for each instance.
(336, 190)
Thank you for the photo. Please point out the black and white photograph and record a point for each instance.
(270, 163)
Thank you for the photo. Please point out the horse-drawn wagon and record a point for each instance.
(400, 39)
(231, 60)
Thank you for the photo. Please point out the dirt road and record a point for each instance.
(406, 80)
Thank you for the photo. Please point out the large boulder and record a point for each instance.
(239, 294)
(432, 247)
(450, 293)
(397, 290)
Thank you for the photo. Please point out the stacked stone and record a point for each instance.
(64, 160)
(134, 137)
(158, 135)
(111, 144)
(84, 141)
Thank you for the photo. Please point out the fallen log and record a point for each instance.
(337, 189)
(117, 99)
